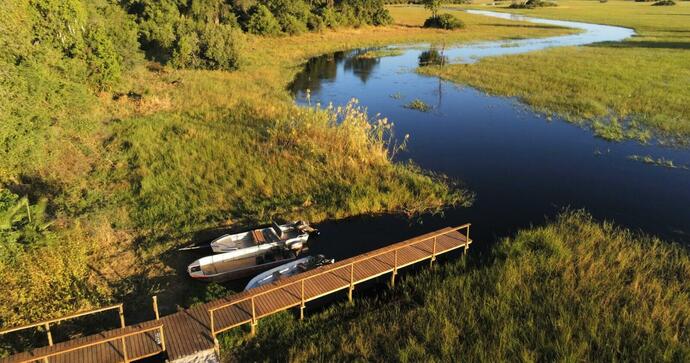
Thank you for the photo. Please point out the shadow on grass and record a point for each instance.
(644, 44)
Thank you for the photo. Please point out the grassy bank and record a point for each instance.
(627, 90)
(127, 172)
(573, 290)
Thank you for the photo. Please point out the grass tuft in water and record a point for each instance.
(380, 53)
(418, 105)
(663, 162)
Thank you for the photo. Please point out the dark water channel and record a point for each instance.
(523, 167)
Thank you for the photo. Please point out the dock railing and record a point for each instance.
(46, 323)
(122, 342)
(330, 269)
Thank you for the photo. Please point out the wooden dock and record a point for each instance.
(193, 332)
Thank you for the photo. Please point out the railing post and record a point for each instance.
(467, 240)
(216, 345)
(124, 350)
(163, 339)
(50, 335)
(433, 253)
(352, 282)
(395, 268)
(155, 307)
(253, 323)
(122, 316)
(213, 328)
(301, 306)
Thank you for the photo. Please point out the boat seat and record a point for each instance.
(258, 237)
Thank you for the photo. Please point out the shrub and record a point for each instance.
(444, 21)
(291, 25)
(371, 12)
(207, 46)
(102, 58)
(330, 17)
(262, 21)
(220, 46)
(664, 3)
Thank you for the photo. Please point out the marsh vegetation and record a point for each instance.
(642, 79)
(548, 293)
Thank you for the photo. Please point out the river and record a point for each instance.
(524, 167)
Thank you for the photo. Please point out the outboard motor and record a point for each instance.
(321, 260)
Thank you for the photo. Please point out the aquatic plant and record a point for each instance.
(380, 53)
(662, 161)
(418, 105)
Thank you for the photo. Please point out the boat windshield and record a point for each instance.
(277, 230)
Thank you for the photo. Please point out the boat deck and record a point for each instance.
(192, 331)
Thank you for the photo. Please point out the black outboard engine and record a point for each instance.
(321, 260)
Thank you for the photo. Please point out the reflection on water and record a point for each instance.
(523, 167)
(432, 57)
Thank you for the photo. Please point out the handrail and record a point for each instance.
(330, 269)
(46, 323)
(122, 337)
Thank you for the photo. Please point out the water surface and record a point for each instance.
(524, 167)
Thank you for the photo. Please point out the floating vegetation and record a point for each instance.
(380, 53)
(614, 130)
(510, 45)
(397, 96)
(418, 105)
(663, 162)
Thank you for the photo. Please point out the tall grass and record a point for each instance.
(188, 172)
(572, 290)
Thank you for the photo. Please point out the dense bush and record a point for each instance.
(262, 22)
(664, 3)
(444, 21)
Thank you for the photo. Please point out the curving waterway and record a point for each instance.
(523, 166)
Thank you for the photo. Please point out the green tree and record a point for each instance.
(433, 6)
(262, 21)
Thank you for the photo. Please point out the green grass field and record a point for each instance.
(134, 171)
(573, 290)
(634, 89)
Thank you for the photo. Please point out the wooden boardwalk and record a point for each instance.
(192, 332)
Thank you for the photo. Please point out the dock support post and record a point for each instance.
(395, 268)
(467, 241)
(163, 339)
(433, 254)
(50, 335)
(254, 322)
(124, 350)
(302, 305)
(155, 307)
(122, 316)
(352, 282)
